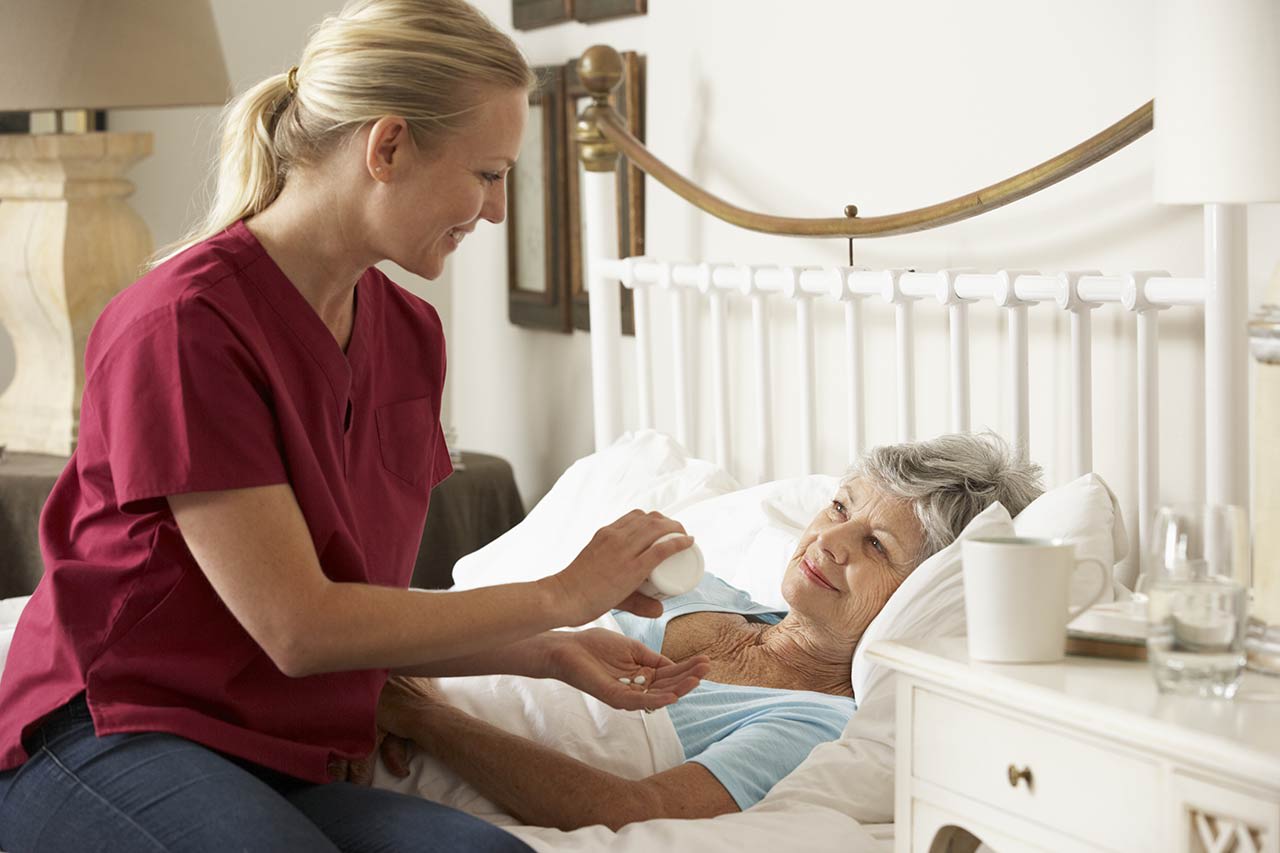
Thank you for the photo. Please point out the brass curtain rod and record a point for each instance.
(599, 123)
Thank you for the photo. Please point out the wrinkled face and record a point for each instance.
(428, 202)
(851, 558)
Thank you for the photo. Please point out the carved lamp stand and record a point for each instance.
(68, 239)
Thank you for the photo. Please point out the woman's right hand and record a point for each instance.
(605, 575)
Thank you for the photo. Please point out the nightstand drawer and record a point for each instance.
(1075, 786)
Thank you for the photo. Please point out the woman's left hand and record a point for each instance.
(360, 770)
(593, 660)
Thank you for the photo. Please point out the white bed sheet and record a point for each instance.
(630, 744)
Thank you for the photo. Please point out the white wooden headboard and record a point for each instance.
(1221, 292)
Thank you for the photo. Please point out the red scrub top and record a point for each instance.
(212, 372)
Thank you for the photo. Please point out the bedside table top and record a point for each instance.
(1115, 698)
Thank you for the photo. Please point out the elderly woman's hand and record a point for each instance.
(403, 703)
(396, 754)
(594, 660)
(359, 771)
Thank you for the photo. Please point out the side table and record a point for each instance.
(1083, 755)
(474, 506)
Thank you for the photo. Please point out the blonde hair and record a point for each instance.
(428, 61)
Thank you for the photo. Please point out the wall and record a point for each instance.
(890, 106)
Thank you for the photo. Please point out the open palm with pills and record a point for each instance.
(623, 672)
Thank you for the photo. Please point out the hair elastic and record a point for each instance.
(293, 79)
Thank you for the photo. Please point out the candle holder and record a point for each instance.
(1263, 641)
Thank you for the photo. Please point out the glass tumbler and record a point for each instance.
(1197, 603)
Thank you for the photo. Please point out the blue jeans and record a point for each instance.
(152, 792)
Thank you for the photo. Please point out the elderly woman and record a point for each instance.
(777, 683)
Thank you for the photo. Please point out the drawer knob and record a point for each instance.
(1016, 775)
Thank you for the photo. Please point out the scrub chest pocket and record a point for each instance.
(407, 438)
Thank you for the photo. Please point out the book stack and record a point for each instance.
(1117, 629)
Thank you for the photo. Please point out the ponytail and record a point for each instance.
(249, 175)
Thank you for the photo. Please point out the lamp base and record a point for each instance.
(68, 243)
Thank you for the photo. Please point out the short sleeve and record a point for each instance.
(183, 406)
(767, 746)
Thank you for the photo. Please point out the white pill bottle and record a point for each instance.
(676, 575)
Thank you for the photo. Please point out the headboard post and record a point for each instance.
(1226, 343)
(1068, 299)
(600, 69)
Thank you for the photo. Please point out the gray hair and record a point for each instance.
(950, 479)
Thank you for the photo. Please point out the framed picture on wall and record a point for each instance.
(601, 10)
(628, 101)
(531, 14)
(536, 213)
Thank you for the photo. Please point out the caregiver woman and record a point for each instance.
(228, 551)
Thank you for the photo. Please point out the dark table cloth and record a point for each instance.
(474, 506)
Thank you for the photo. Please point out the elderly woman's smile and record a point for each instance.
(813, 573)
(853, 555)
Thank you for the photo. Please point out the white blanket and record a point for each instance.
(630, 744)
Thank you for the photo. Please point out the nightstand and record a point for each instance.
(1079, 755)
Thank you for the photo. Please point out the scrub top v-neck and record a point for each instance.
(212, 372)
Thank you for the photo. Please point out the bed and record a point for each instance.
(839, 795)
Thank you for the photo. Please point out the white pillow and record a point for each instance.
(747, 537)
(10, 610)
(641, 470)
(1085, 513)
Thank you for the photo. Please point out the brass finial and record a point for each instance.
(600, 70)
(851, 211)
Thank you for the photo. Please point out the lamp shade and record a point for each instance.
(1217, 111)
(109, 54)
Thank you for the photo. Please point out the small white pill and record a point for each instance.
(625, 680)
(639, 679)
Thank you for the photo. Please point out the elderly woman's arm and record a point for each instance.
(542, 786)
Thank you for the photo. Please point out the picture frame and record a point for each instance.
(537, 290)
(589, 11)
(532, 14)
(628, 101)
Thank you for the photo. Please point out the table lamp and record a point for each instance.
(1217, 133)
(68, 239)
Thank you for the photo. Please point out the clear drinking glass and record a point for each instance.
(1197, 579)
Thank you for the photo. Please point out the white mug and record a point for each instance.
(1016, 595)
